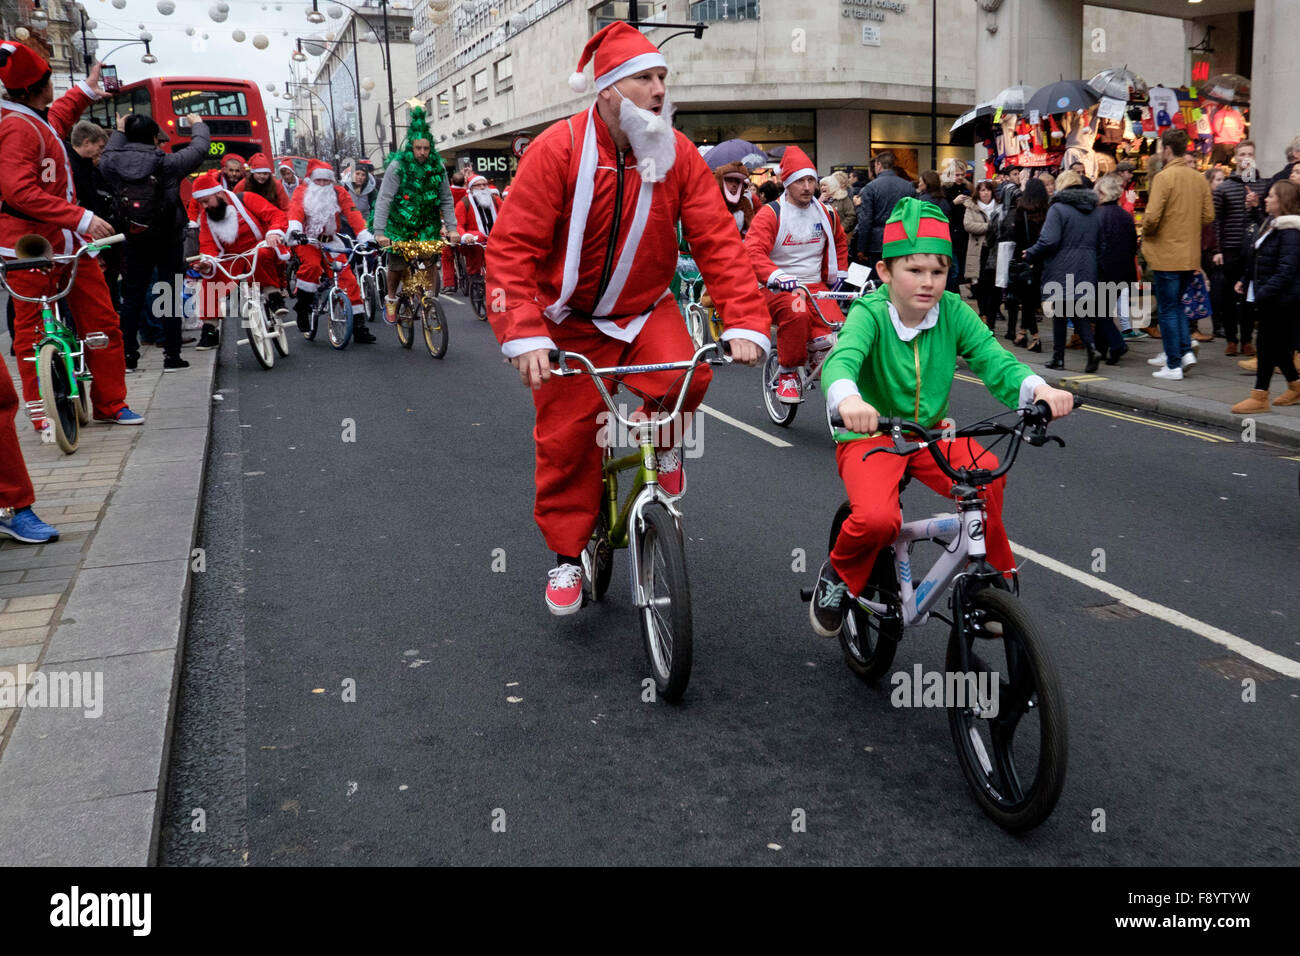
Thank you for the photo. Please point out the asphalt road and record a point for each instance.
(371, 561)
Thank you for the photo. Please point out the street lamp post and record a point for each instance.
(315, 16)
(334, 133)
(301, 57)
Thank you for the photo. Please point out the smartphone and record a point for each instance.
(109, 78)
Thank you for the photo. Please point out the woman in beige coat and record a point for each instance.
(982, 250)
(835, 193)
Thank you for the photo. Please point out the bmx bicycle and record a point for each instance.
(266, 331)
(417, 300)
(330, 304)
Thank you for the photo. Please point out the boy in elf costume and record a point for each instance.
(895, 357)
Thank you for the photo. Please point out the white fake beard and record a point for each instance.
(321, 206)
(482, 198)
(802, 223)
(652, 137)
(734, 191)
(226, 229)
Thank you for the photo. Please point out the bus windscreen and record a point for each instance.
(209, 102)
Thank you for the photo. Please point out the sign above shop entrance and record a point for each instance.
(871, 9)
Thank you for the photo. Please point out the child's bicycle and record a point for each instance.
(63, 381)
(1014, 752)
(372, 276)
(331, 304)
(266, 334)
(475, 283)
(417, 300)
(647, 523)
(778, 411)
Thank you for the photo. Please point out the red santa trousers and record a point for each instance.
(448, 268)
(92, 310)
(15, 484)
(566, 431)
(873, 494)
(473, 254)
(309, 274)
(797, 322)
(267, 274)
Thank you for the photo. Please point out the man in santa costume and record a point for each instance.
(36, 183)
(317, 210)
(797, 239)
(583, 255)
(231, 223)
(476, 214)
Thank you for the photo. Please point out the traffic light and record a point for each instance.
(291, 122)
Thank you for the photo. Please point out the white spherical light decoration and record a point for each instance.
(334, 11)
(417, 37)
(189, 31)
(223, 6)
(239, 36)
(166, 7)
(270, 87)
(260, 42)
(367, 83)
(205, 35)
(119, 4)
(146, 36)
(92, 24)
(518, 21)
(22, 34)
(217, 15)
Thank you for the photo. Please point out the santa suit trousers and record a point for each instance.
(448, 268)
(92, 310)
(311, 267)
(473, 254)
(873, 495)
(796, 322)
(212, 291)
(567, 427)
(15, 484)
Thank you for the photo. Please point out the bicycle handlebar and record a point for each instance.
(721, 352)
(49, 262)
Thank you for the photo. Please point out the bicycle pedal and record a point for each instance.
(96, 340)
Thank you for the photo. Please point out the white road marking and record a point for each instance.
(451, 298)
(1252, 652)
(745, 427)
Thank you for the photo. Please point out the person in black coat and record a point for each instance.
(878, 199)
(1116, 261)
(1022, 225)
(1272, 282)
(1068, 246)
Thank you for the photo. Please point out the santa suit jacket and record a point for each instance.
(527, 254)
(347, 211)
(281, 194)
(469, 217)
(257, 217)
(767, 238)
(36, 176)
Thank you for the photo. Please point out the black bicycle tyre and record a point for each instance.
(670, 666)
(339, 318)
(56, 395)
(408, 313)
(433, 322)
(869, 644)
(478, 296)
(1035, 803)
(778, 411)
(598, 559)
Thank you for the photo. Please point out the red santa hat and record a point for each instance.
(475, 181)
(795, 165)
(207, 184)
(619, 50)
(20, 65)
(319, 169)
(258, 163)
(287, 164)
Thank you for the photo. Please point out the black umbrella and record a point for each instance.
(1227, 88)
(1065, 96)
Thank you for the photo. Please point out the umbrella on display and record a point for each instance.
(1120, 84)
(1227, 88)
(776, 154)
(735, 151)
(1010, 100)
(1064, 96)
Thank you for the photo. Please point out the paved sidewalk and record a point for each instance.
(94, 624)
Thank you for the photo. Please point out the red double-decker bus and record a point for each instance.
(232, 110)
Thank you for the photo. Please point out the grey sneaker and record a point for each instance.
(826, 609)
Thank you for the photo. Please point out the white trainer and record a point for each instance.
(1173, 374)
(1189, 359)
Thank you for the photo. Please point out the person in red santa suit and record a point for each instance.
(458, 193)
(230, 223)
(797, 239)
(584, 253)
(476, 214)
(36, 183)
(317, 211)
(260, 180)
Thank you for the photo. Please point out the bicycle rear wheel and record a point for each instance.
(340, 319)
(666, 625)
(478, 296)
(598, 560)
(83, 400)
(777, 410)
(695, 323)
(869, 641)
(434, 322)
(406, 319)
(370, 299)
(56, 395)
(1013, 745)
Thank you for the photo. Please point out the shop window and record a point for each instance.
(504, 72)
(724, 10)
(459, 96)
(480, 86)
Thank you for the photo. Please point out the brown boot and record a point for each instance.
(1200, 336)
(1231, 349)
(1249, 365)
(1291, 396)
(1153, 330)
(1257, 404)
(1075, 342)
(1247, 349)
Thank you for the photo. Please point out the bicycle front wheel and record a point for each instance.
(1012, 741)
(340, 319)
(777, 410)
(434, 322)
(56, 394)
(257, 335)
(666, 625)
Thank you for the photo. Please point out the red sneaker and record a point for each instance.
(564, 589)
(672, 476)
(787, 389)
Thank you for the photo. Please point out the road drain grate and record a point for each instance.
(1235, 669)
(1113, 611)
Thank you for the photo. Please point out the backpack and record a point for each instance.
(139, 203)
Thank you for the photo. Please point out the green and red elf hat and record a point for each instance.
(916, 227)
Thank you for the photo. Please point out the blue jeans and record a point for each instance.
(1169, 288)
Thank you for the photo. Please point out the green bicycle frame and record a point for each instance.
(57, 331)
(645, 465)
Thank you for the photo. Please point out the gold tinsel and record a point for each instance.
(422, 259)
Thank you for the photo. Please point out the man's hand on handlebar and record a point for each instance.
(859, 416)
(383, 241)
(745, 352)
(1058, 400)
(100, 228)
(783, 282)
(534, 367)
